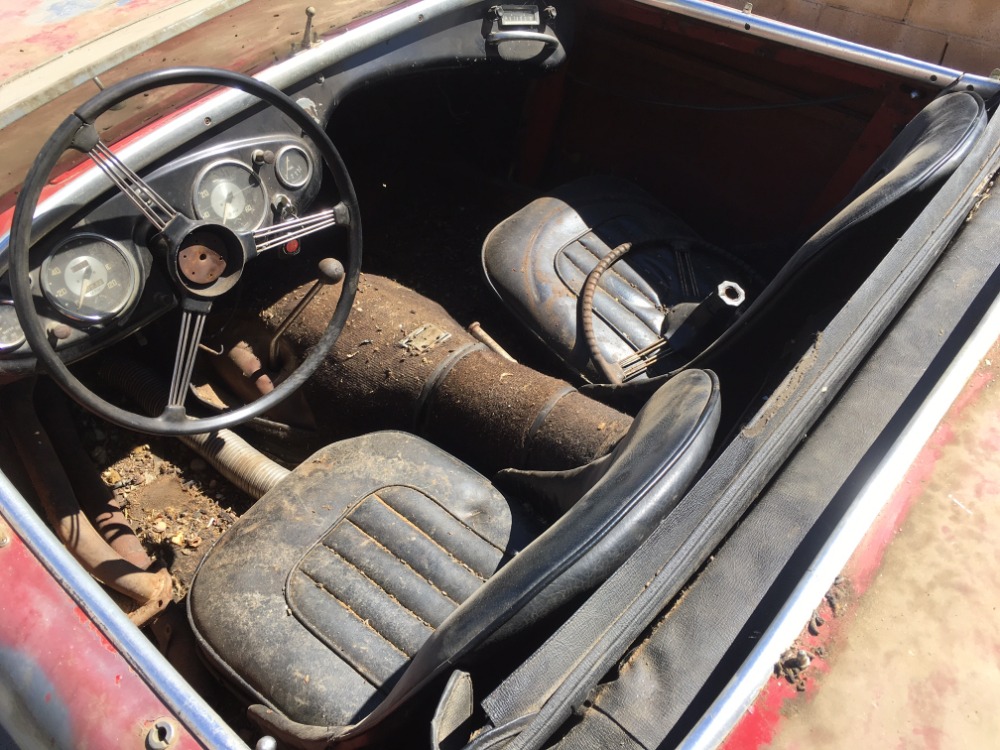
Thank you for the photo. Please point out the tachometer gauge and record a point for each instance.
(293, 167)
(230, 193)
(89, 278)
(11, 335)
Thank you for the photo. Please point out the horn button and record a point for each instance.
(209, 261)
(200, 263)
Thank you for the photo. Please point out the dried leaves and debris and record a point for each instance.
(177, 504)
(793, 664)
(838, 596)
(815, 623)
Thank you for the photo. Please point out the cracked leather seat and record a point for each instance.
(382, 562)
(537, 259)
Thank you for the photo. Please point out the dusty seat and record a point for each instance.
(537, 259)
(382, 561)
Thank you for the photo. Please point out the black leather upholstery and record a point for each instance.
(294, 601)
(537, 259)
(382, 561)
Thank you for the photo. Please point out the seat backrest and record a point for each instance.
(877, 211)
(919, 159)
(622, 497)
(890, 195)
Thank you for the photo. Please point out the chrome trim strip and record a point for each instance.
(840, 49)
(196, 715)
(741, 691)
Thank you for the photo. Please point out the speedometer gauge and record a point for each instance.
(230, 193)
(89, 278)
(11, 335)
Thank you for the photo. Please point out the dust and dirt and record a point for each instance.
(176, 503)
(785, 390)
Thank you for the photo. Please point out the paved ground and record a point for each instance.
(35, 33)
(916, 661)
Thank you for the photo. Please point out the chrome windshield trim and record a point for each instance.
(175, 693)
(741, 691)
(840, 49)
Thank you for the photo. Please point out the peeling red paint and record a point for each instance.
(867, 560)
(55, 183)
(970, 394)
(757, 728)
(86, 622)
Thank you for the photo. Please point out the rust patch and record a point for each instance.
(200, 263)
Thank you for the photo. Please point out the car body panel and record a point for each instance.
(349, 51)
(62, 45)
(267, 33)
(65, 684)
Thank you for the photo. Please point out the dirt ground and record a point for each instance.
(917, 664)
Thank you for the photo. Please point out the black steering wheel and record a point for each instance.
(204, 259)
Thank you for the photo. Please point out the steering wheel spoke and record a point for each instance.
(278, 235)
(136, 189)
(193, 314)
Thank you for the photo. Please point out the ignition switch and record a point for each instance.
(283, 207)
(284, 210)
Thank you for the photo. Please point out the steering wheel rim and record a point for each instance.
(172, 422)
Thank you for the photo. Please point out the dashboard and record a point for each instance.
(96, 278)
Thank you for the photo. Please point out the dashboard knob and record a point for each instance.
(262, 156)
(59, 332)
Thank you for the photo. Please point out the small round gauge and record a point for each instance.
(293, 167)
(11, 335)
(232, 194)
(89, 278)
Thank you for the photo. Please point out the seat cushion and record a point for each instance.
(538, 259)
(318, 597)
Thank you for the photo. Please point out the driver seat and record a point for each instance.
(383, 562)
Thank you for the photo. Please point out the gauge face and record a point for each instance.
(230, 193)
(11, 335)
(293, 167)
(89, 278)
